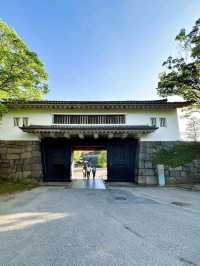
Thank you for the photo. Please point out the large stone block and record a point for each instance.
(35, 167)
(142, 180)
(11, 156)
(20, 159)
(148, 164)
(14, 150)
(151, 180)
(26, 155)
(141, 164)
(26, 174)
(3, 149)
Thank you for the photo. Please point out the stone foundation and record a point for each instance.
(20, 160)
(147, 173)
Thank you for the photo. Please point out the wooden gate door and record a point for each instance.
(121, 160)
(56, 161)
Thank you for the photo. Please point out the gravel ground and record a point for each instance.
(117, 226)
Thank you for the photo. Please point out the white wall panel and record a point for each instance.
(137, 117)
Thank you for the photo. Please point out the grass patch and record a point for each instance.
(8, 187)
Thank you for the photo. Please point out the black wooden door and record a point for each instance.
(57, 161)
(121, 160)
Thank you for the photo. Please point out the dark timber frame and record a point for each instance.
(57, 154)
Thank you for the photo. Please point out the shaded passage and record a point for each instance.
(87, 184)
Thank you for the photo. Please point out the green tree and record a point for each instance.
(22, 74)
(182, 75)
(77, 156)
(182, 78)
(102, 159)
(177, 155)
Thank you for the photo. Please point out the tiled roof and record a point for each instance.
(96, 104)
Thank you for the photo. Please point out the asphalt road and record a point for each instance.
(120, 226)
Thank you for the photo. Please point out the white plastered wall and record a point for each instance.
(134, 117)
(169, 133)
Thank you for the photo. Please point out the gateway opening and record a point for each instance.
(89, 164)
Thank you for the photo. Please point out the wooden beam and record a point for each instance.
(52, 135)
(110, 135)
(96, 135)
(81, 136)
(66, 135)
(124, 135)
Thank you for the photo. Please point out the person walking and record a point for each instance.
(93, 172)
(88, 171)
(84, 169)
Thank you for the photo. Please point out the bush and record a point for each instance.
(178, 155)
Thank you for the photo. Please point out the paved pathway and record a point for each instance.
(119, 226)
(89, 184)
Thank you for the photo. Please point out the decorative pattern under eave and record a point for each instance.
(89, 131)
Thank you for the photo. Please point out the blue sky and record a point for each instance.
(101, 49)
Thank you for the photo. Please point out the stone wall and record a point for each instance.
(147, 172)
(20, 160)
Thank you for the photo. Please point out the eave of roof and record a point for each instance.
(164, 104)
(89, 127)
(88, 130)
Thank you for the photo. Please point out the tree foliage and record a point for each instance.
(182, 75)
(102, 159)
(77, 156)
(22, 74)
(191, 116)
(177, 155)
